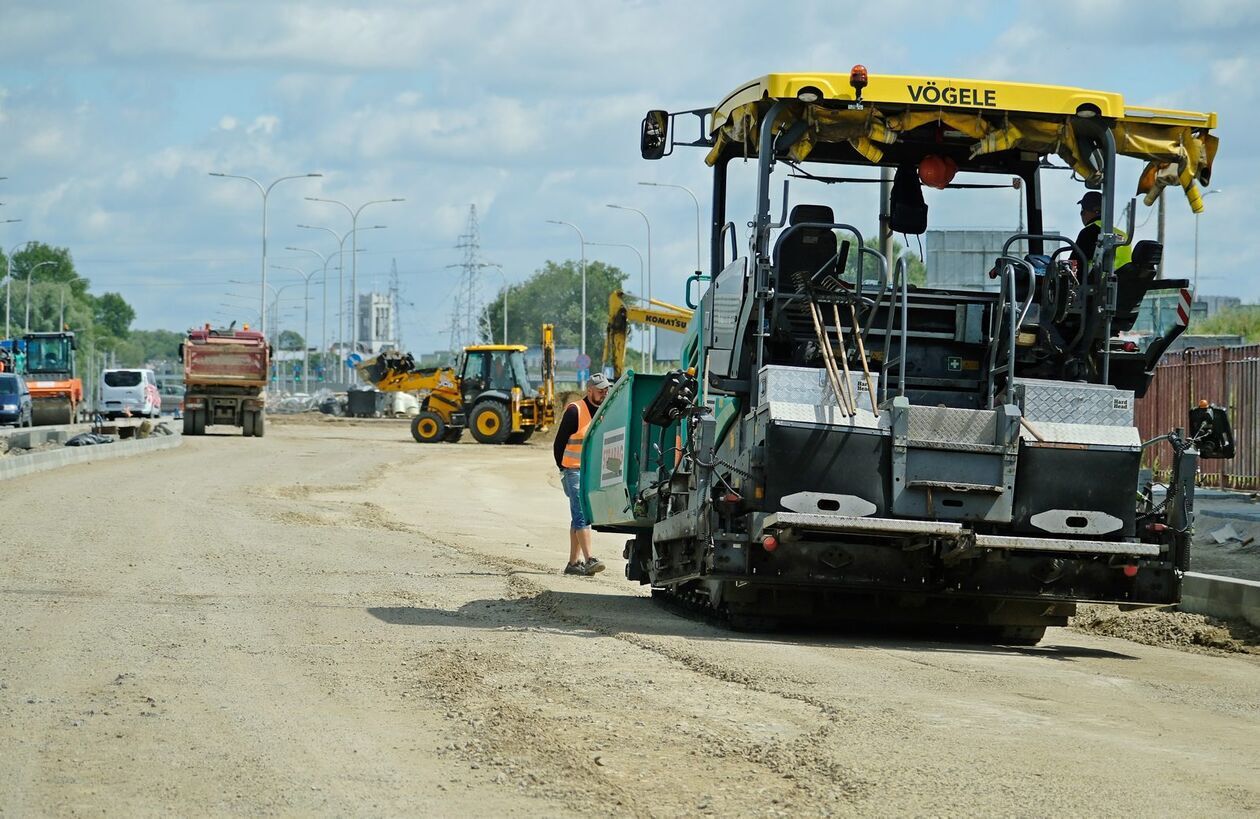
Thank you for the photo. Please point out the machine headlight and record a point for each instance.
(8, 407)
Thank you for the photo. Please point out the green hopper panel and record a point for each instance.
(616, 461)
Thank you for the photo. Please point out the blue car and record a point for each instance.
(15, 400)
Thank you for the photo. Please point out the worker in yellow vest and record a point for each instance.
(1087, 239)
(568, 453)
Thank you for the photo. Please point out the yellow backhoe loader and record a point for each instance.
(488, 392)
(623, 309)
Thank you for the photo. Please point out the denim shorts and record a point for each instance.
(569, 479)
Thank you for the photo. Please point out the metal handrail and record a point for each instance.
(1032, 283)
(729, 226)
(863, 250)
(900, 275)
(1084, 306)
(1006, 298)
(883, 283)
(1054, 237)
(778, 243)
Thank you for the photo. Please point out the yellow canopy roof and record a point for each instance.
(990, 116)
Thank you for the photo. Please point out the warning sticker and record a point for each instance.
(612, 457)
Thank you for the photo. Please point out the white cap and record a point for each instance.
(598, 381)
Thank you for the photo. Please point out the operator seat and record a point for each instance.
(1132, 282)
(805, 250)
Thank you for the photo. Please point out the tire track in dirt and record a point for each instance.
(802, 762)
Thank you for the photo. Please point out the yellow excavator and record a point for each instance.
(488, 392)
(624, 309)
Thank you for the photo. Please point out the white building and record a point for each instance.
(377, 315)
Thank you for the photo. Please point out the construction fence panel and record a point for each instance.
(1226, 376)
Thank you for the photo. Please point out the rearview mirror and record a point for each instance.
(1210, 429)
(653, 140)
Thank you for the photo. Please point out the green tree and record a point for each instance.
(1243, 321)
(48, 275)
(143, 347)
(58, 294)
(113, 314)
(554, 295)
(291, 340)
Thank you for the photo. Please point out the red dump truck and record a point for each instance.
(225, 372)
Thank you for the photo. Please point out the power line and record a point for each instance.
(468, 320)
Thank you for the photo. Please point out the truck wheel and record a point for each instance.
(247, 423)
(190, 423)
(260, 423)
(453, 434)
(199, 422)
(520, 437)
(428, 428)
(489, 422)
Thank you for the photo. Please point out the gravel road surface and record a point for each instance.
(336, 620)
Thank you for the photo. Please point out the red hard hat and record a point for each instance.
(937, 171)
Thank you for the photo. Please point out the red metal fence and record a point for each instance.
(1227, 376)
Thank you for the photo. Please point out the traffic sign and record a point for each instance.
(583, 361)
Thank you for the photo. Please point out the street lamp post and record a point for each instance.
(61, 322)
(354, 259)
(1195, 297)
(582, 242)
(306, 322)
(649, 263)
(323, 332)
(647, 333)
(699, 231)
(275, 309)
(8, 280)
(341, 269)
(265, 191)
(30, 274)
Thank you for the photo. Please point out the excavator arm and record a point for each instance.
(547, 390)
(624, 310)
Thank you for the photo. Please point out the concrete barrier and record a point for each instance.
(30, 437)
(1224, 597)
(15, 466)
(38, 436)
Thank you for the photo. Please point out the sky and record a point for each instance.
(114, 113)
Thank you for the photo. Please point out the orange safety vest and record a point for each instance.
(572, 458)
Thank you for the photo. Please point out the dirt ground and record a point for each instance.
(336, 620)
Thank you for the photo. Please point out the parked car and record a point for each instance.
(129, 392)
(172, 399)
(15, 400)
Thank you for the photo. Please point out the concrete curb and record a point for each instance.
(16, 466)
(1223, 597)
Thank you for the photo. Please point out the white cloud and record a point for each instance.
(530, 111)
(265, 124)
(47, 142)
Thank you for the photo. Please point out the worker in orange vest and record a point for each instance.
(568, 453)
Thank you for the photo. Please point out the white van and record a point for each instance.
(129, 393)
